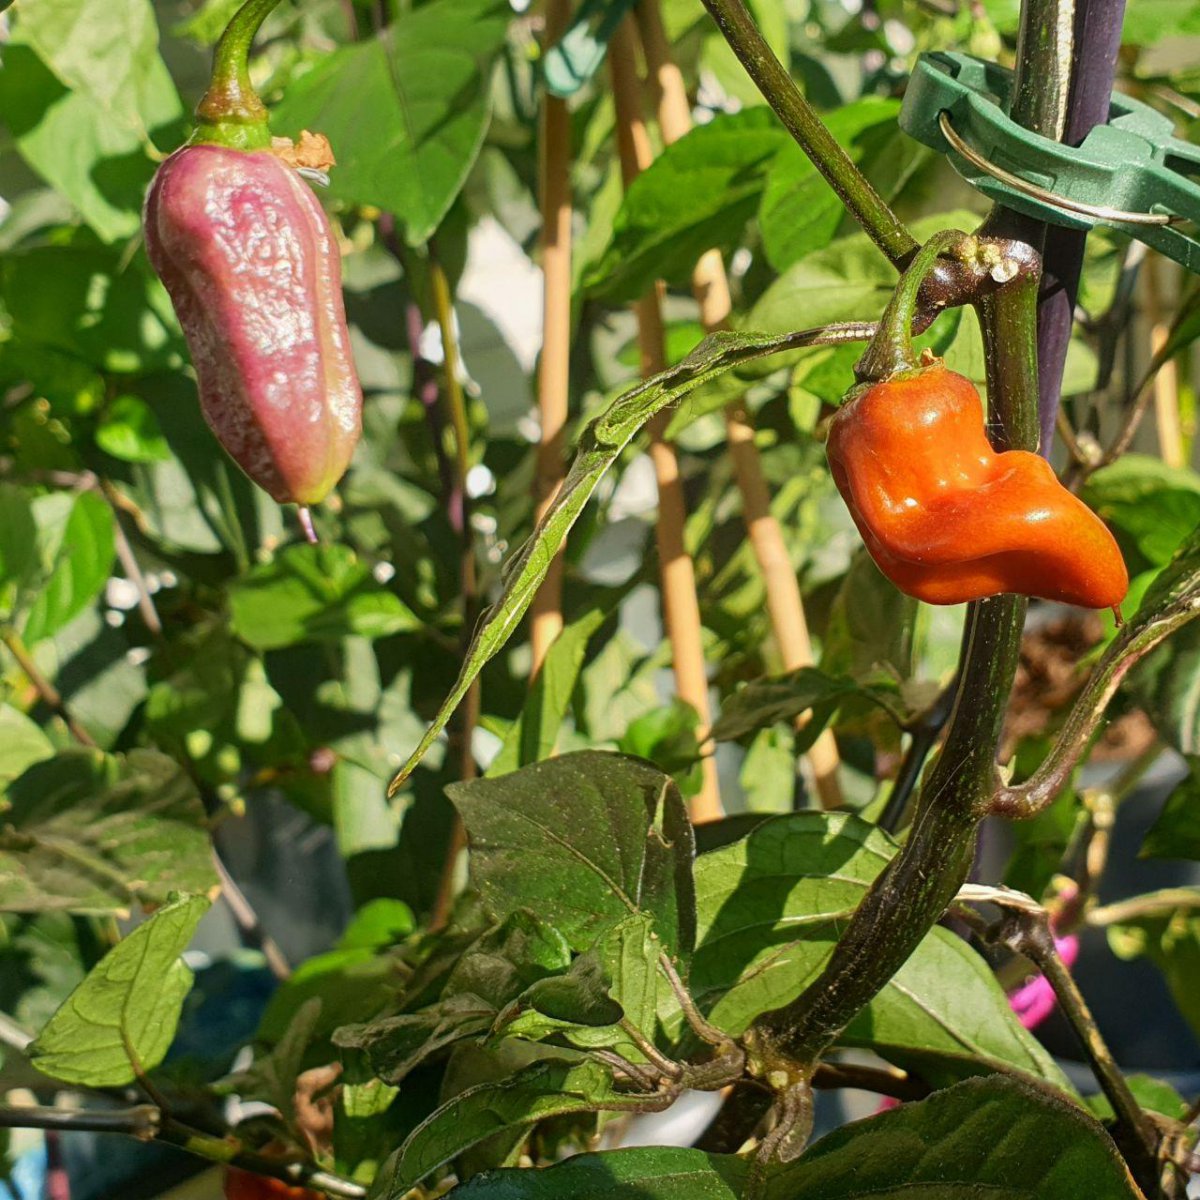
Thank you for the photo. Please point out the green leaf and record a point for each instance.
(600, 445)
(1167, 932)
(1176, 832)
(769, 911)
(314, 593)
(1153, 505)
(641, 1173)
(82, 90)
(991, 1137)
(552, 1088)
(406, 111)
(800, 212)
(18, 542)
(22, 744)
(534, 733)
(584, 840)
(77, 563)
(1154, 1095)
(129, 431)
(1165, 685)
(763, 702)
(696, 195)
(124, 1014)
(88, 833)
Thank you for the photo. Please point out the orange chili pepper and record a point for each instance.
(947, 518)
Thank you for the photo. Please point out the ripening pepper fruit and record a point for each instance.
(947, 518)
(250, 262)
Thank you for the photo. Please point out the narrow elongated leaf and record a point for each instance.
(993, 1137)
(546, 1089)
(584, 840)
(640, 1173)
(90, 833)
(406, 111)
(770, 909)
(535, 731)
(599, 447)
(125, 1012)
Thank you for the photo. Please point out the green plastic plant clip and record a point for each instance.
(577, 55)
(1132, 174)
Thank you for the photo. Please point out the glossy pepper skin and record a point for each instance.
(948, 519)
(249, 259)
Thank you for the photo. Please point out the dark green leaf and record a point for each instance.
(271, 1078)
(22, 744)
(763, 702)
(545, 1089)
(123, 1015)
(129, 431)
(88, 833)
(770, 909)
(1150, 504)
(991, 1137)
(1176, 832)
(424, 82)
(314, 593)
(641, 1173)
(585, 840)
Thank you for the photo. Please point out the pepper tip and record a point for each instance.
(306, 524)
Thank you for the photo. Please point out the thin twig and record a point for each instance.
(47, 692)
(710, 284)
(701, 1026)
(681, 607)
(1151, 904)
(248, 921)
(554, 367)
(1166, 381)
(140, 1122)
(128, 560)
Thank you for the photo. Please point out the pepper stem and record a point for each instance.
(231, 114)
(890, 351)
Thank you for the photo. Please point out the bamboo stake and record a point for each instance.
(785, 605)
(554, 368)
(1166, 381)
(681, 609)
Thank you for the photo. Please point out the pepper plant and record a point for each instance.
(652, 715)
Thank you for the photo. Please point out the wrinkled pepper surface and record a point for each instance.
(948, 519)
(250, 261)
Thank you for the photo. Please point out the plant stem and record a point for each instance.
(1029, 933)
(47, 692)
(801, 121)
(230, 112)
(1133, 643)
(890, 352)
(546, 618)
(681, 607)
(247, 920)
(1066, 61)
(461, 519)
(140, 1122)
(710, 284)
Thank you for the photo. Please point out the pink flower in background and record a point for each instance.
(1033, 1002)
